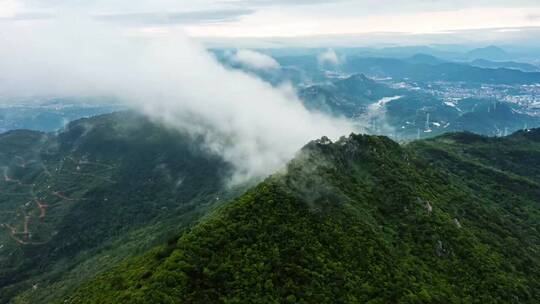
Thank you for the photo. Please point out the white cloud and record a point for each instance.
(9, 8)
(255, 60)
(280, 18)
(252, 125)
(338, 20)
(174, 18)
(328, 57)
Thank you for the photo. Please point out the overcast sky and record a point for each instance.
(219, 19)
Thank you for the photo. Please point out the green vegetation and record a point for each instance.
(455, 219)
(76, 203)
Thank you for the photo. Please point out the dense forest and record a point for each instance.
(454, 219)
(79, 201)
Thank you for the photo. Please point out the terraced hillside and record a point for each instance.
(77, 202)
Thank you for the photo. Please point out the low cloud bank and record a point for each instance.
(255, 60)
(174, 80)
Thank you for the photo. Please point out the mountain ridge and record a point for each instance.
(360, 220)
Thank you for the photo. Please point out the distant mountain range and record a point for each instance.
(525, 67)
(421, 65)
(445, 52)
(489, 53)
(50, 114)
(406, 114)
(368, 89)
(447, 71)
(348, 89)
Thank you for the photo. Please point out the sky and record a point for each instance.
(377, 21)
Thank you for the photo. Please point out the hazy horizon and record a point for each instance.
(277, 23)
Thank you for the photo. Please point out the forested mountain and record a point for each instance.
(265, 151)
(450, 219)
(80, 201)
(454, 219)
(349, 97)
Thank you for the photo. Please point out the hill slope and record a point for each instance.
(80, 201)
(348, 97)
(362, 220)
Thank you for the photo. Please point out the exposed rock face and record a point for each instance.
(439, 249)
(428, 207)
(324, 141)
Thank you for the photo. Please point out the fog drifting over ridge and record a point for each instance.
(255, 60)
(253, 125)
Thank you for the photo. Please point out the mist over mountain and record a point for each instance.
(238, 123)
